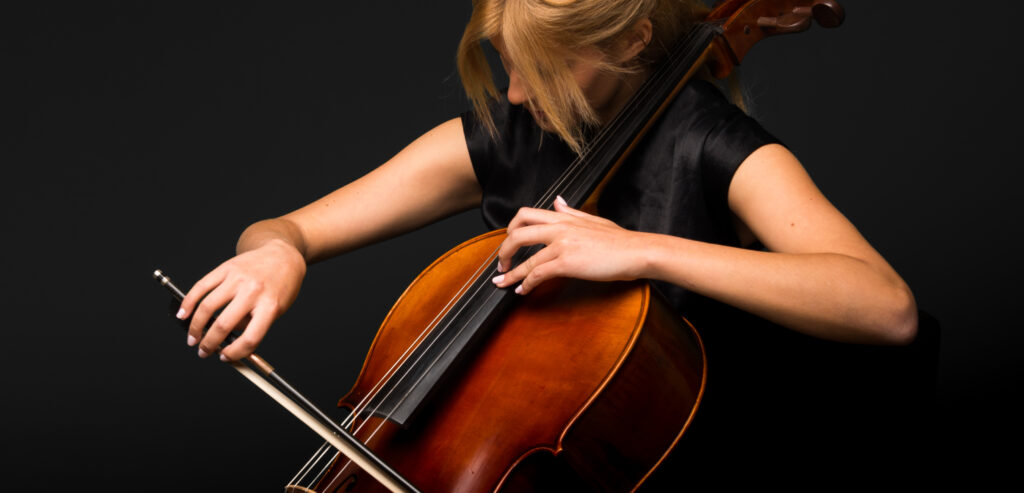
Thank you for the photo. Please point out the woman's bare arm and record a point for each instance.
(821, 276)
(430, 179)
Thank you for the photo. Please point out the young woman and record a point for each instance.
(711, 207)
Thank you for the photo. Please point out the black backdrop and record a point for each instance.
(149, 136)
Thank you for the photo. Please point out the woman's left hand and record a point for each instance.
(577, 245)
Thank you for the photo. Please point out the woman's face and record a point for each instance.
(605, 91)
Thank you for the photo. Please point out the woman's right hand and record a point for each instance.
(253, 288)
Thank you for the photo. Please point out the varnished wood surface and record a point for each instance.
(576, 363)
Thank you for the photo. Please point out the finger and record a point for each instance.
(199, 290)
(228, 319)
(544, 268)
(562, 206)
(538, 234)
(213, 301)
(522, 270)
(527, 216)
(254, 333)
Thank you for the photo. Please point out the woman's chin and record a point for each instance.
(541, 120)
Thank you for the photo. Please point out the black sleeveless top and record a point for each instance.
(766, 384)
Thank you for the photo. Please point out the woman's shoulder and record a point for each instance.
(701, 104)
(704, 120)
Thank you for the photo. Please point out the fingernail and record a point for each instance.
(498, 279)
(560, 201)
(181, 314)
(202, 354)
(519, 289)
(223, 358)
(191, 340)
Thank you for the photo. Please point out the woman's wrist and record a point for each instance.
(272, 231)
(287, 250)
(653, 252)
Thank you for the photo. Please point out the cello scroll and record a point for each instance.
(745, 23)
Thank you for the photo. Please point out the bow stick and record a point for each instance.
(261, 374)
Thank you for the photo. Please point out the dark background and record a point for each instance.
(148, 136)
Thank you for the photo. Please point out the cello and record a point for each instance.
(442, 393)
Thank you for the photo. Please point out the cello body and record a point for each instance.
(583, 385)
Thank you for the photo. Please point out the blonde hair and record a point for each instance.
(541, 38)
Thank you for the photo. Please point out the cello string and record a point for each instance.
(433, 363)
(447, 309)
(324, 469)
(566, 182)
(310, 464)
(374, 391)
(473, 278)
(419, 340)
(352, 416)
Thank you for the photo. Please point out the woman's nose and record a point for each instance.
(516, 90)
